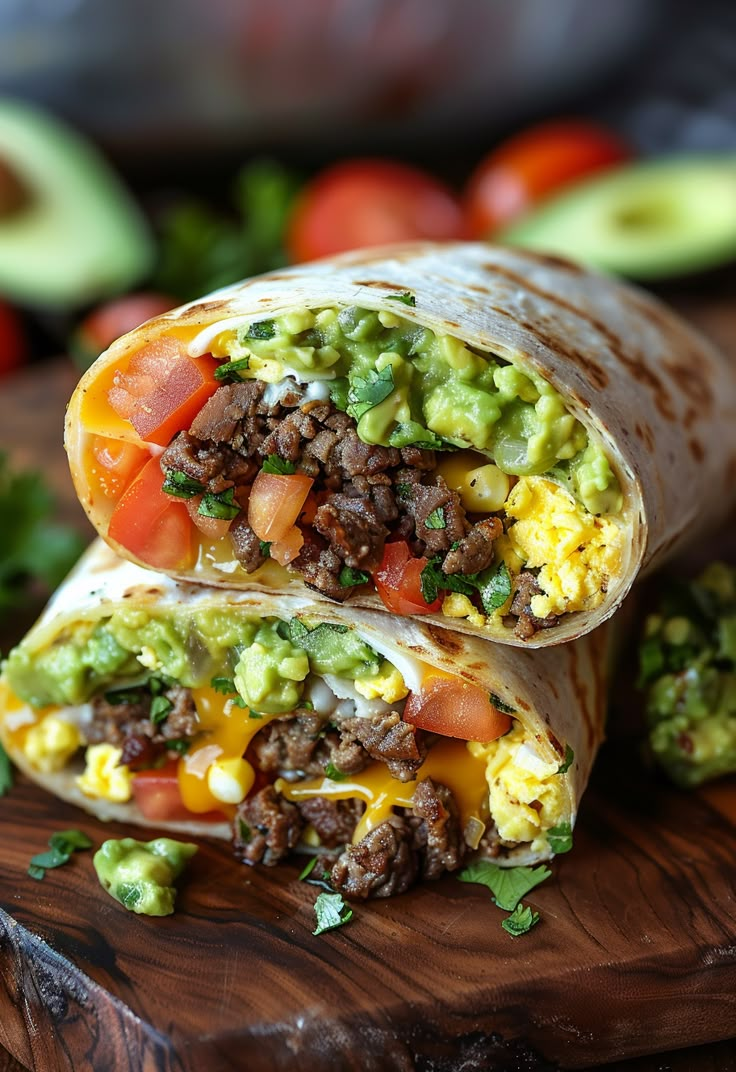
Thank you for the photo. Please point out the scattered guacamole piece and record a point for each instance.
(141, 874)
(687, 667)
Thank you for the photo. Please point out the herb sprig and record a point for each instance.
(62, 846)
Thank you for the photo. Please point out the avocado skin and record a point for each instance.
(77, 236)
(646, 220)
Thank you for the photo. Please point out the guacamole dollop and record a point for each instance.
(141, 874)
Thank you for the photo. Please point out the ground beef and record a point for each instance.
(353, 530)
(526, 586)
(388, 738)
(222, 415)
(266, 828)
(438, 834)
(246, 545)
(436, 503)
(114, 723)
(333, 820)
(216, 467)
(475, 551)
(286, 439)
(382, 864)
(365, 459)
(320, 568)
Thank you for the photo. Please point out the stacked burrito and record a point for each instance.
(365, 523)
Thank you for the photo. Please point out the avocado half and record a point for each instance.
(647, 220)
(70, 233)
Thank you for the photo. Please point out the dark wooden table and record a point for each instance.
(633, 965)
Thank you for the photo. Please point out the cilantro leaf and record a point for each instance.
(221, 506)
(275, 464)
(230, 370)
(161, 707)
(521, 920)
(6, 772)
(407, 298)
(261, 329)
(331, 912)
(339, 389)
(178, 744)
(349, 577)
(560, 838)
(567, 761)
(226, 687)
(413, 434)
(62, 846)
(70, 841)
(308, 869)
(499, 704)
(334, 773)
(436, 519)
(265, 548)
(182, 486)
(507, 884)
(365, 392)
(494, 586)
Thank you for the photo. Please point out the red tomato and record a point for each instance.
(214, 527)
(163, 389)
(115, 464)
(275, 503)
(530, 166)
(13, 343)
(286, 550)
(152, 525)
(369, 203)
(398, 581)
(108, 322)
(455, 708)
(156, 792)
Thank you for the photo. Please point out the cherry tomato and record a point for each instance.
(163, 389)
(398, 581)
(156, 792)
(152, 525)
(369, 203)
(275, 503)
(13, 343)
(529, 166)
(108, 322)
(455, 708)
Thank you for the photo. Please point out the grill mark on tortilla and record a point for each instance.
(645, 434)
(691, 416)
(447, 641)
(696, 449)
(380, 284)
(694, 387)
(553, 261)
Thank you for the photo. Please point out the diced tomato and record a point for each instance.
(398, 581)
(370, 202)
(455, 708)
(214, 527)
(156, 792)
(163, 389)
(115, 464)
(286, 550)
(275, 504)
(533, 164)
(152, 525)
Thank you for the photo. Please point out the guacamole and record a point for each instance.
(405, 384)
(267, 659)
(688, 669)
(141, 874)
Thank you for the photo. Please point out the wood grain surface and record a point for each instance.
(635, 953)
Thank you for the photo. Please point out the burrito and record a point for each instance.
(494, 440)
(284, 723)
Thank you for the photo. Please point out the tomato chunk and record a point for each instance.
(151, 525)
(115, 464)
(275, 503)
(156, 792)
(455, 708)
(163, 389)
(214, 527)
(398, 581)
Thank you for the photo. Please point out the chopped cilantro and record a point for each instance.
(265, 548)
(499, 704)
(244, 832)
(161, 707)
(261, 329)
(230, 370)
(560, 838)
(349, 577)
(521, 920)
(494, 586)
(507, 884)
(226, 687)
(407, 298)
(339, 389)
(182, 486)
(567, 761)
(276, 464)
(6, 772)
(413, 434)
(308, 869)
(334, 773)
(178, 744)
(436, 519)
(70, 841)
(331, 912)
(221, 506)
(62, 846)
(365, 392)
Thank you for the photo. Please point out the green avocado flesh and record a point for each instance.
(646, 220)
(73, 234)
(688, 668)
(141, 874)
(264, 660)
(405, 385)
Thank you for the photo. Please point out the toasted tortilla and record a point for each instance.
(558, 695)
(658, 398)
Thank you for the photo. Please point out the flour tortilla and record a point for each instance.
(657, 396)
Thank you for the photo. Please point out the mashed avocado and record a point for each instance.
(269, 659)
(141, 874)
(405, 384)
(688, 668)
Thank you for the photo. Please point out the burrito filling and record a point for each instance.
(299, 734)
(357, 448)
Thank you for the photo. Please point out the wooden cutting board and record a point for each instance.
(635, 953)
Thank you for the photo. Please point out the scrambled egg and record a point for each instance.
(103, 776)
(51, 743)
(525, 801)
(577, 552)
(387, 684)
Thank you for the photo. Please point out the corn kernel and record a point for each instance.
(229, 780)
(103, 775)
(485, 489)
(51, 743)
